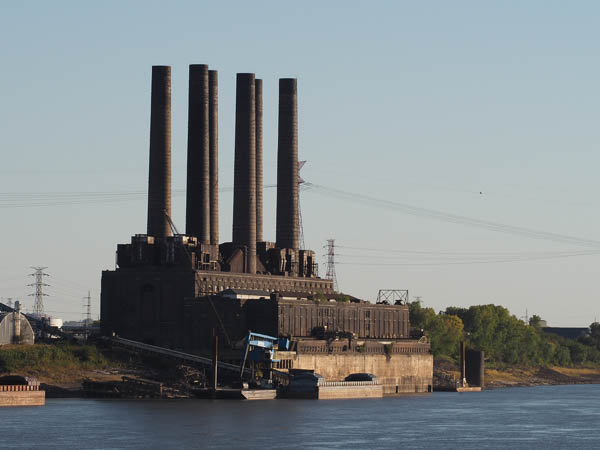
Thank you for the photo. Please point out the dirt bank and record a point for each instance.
(446, 374)
(62, 368)
(514, 376)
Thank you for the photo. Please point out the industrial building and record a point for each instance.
(172, 290)
(15, 328)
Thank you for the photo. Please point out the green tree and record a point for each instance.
(419, 316)
(535, 321)
(595, 334)
(445, 333)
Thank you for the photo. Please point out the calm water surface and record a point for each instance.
(533, 418)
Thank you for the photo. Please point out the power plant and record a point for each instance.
(178, 290)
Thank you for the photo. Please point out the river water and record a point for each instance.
(533, 418)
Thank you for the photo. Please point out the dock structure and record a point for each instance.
(21, 391)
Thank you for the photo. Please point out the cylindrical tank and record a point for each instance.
(55, 322)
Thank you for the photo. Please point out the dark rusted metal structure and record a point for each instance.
(159, 173)
(475, 367)
(287, 228)
(244, 184)
(295, 319)
(198, 156)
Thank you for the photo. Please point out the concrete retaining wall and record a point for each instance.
(22, 398)
(396, 373)
(335, 392)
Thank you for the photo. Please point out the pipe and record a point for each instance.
(197, 216)
(159, 171)
(287, 227)
(244, 183)
(213, 128)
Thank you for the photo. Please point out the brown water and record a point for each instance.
(533, 418)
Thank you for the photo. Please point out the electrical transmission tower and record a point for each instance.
(88, 315)
(300, 226)
(38, 305)
(331, 263)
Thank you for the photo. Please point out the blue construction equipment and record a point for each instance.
(260, 350)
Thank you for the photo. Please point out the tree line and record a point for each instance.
(505, 339)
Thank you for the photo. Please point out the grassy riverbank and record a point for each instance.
(447, 373)
(515, 376)
(61, 367)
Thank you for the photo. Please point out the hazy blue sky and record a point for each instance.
(487, 110)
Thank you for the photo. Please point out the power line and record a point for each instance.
(41, 199)
(447, 263)
(456, 253)
(453, 218)
(482, 257)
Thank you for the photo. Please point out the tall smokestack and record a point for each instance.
(244, 183)
(213, 127)
(197, 216)
(259, 161)
(159, 173)
(287, 165)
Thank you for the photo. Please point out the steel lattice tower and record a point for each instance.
(331, 263)
(300, 226)
(87, 322)
(38, 305)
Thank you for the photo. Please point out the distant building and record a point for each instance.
(15, 329)
(568, 333)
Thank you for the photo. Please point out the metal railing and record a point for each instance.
(322, 383)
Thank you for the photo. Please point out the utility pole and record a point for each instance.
(38, 305)
(331, 263)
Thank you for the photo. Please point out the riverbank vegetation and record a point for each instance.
(41, 359)
(506, 340)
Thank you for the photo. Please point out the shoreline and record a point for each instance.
(496, 378)
(59, 393)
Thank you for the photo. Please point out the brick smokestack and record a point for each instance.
(159, 173)
(287, 166)
(213, 127)
(197, 216)
(259, 161)
(244, 183)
